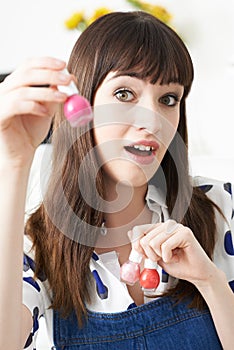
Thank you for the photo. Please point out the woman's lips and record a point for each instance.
(142, 152)
(150, 143)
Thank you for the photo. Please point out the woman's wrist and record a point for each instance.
(14, 174)
(215, 280)
(19, 165)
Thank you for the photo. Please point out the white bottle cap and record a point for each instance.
(135, 256)
(70, 89)
(150, 264)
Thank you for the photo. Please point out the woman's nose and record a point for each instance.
(146, 118)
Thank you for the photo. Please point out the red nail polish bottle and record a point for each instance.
(149, 278)
(130, 270)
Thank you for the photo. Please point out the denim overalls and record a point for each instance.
(157, 325)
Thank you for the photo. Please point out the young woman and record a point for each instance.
(117, 184)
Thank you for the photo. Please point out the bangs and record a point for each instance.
(130, 43)
(147, 49)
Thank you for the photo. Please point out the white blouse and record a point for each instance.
(36, 295)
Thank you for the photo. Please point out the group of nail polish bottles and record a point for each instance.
(130, 272)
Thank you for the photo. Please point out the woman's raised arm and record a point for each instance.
(25, 118)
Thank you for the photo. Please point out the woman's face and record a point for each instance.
(134, 123)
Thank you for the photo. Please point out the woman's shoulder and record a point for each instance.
(213, 187)
(220, 192)
(199, 181)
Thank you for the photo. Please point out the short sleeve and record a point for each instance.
(34, 294)
(222, 194)
(32, 299)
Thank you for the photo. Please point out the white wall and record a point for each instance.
(30, 28)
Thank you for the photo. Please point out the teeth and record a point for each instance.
(143, 148)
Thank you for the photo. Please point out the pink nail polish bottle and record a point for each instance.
(77, 108)
(130, 270)
(149, 278)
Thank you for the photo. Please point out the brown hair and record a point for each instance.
(138, 44)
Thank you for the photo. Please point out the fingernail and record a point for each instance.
(59, 95)
(59, 63)
(136, 233)
(64, 77)
(43, 109)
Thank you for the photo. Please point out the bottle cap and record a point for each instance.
(135, 256)
(70, 89)
(150, 264)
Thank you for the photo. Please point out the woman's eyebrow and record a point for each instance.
(121, 75)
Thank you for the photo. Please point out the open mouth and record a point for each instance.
(140, 150)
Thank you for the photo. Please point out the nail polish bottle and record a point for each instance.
(77, 108)
(130, 270)
(149, 277)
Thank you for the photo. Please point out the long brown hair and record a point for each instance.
(138, 44)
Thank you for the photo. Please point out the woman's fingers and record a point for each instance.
(40, 94)
(37, 77)
(32, 87)
(172, 247)
(46, 62)
(153, 240)
(177, 251)
(137, 234)
(28, 100)
(44, 71)
(43, 63)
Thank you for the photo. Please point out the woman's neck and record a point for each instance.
(125, 208)
(123, 203)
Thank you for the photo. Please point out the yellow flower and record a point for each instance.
(101, 11)
(155, 10)
(79, 21)
(161, 13)
(74, 21)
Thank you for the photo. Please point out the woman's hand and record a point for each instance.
(176, 250)
(179, 253)
(26, 110)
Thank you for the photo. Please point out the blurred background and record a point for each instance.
(34, 28)
(30, 28)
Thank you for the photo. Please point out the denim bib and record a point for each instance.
(158, 325)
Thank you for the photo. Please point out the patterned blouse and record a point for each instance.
(36, 295)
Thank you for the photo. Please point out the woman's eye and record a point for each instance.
(124, 95)
(169, 100)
